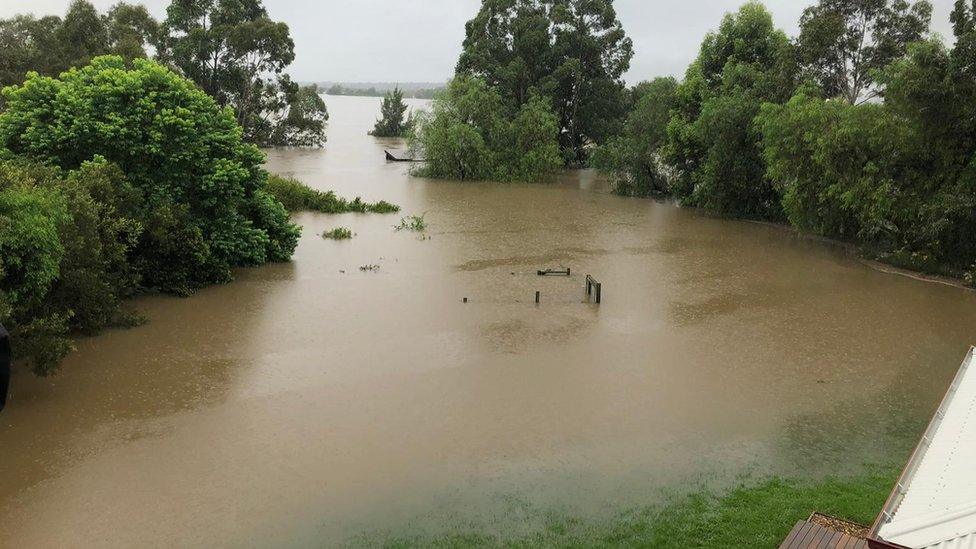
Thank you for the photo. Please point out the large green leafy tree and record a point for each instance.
(204, 209)
(473, 134)
(237, 54)
(633, 157)
(713, 145)
(843, 43)
(392, 112)
(131, 29)
(574, 52)
(934, 89)
(66, 241)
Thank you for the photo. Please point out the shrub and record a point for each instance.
(339, 233)
(65, 245)
(296, 196)
(197, 180)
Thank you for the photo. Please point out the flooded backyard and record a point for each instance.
(315, 403)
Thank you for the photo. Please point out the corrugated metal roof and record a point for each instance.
(934, 503)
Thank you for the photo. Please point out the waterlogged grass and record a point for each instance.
(756, 514)
(339, 233)
(415, 223)
(296, 196)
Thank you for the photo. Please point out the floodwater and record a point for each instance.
(312, 403)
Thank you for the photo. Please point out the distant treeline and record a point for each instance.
(381, 89)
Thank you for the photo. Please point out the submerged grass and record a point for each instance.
(415, 223)
(297, 196)
(339, 233)
(756, 514)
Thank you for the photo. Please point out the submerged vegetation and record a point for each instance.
(297, 196)
(569, 55)
(415, 223)
(339, 233)
(764, 127)
(472, 134)
(101, 196)
(394, 120)
(754, 514)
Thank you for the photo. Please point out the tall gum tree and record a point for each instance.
(843, 43)
(574, 52)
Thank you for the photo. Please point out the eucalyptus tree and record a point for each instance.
(843, 43)
(131, 29)
(51, 45)
(82, 35)
(574, 52)
(238, 55)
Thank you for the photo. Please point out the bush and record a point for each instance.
(296, 196)
(633, 158)
(339, 233)
(198, 182)
(65, 242)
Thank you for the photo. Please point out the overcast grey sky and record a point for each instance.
(419, 40)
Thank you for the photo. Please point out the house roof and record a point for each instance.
(934, 503)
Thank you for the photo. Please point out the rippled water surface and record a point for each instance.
(313, 402)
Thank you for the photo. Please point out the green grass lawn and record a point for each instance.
(757, 514)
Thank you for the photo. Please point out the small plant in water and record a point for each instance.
(339, 233)
(415, 223)
(369, 268)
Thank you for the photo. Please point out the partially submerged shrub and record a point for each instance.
(66, 242)
(176, 147)
(297, 196)
(339, 233)
(415, 223)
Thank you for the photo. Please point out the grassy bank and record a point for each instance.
(296, 196)
(754, 514)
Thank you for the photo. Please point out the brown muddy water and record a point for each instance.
(311, 403)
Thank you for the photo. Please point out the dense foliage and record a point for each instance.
(230, 48)
(392, 122)
(842, 43)
(472, 133)
(149, 185)
(573, 52)
(51, 45)
(66, 242)
(635, 154)
(762, 127)
(712, 145)
(237, 54)
(296, 196)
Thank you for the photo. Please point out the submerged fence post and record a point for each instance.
(4, 365)
(591, 285)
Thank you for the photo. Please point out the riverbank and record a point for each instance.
(879, 261)
(754, 514)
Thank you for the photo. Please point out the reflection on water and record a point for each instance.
(311, 401)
